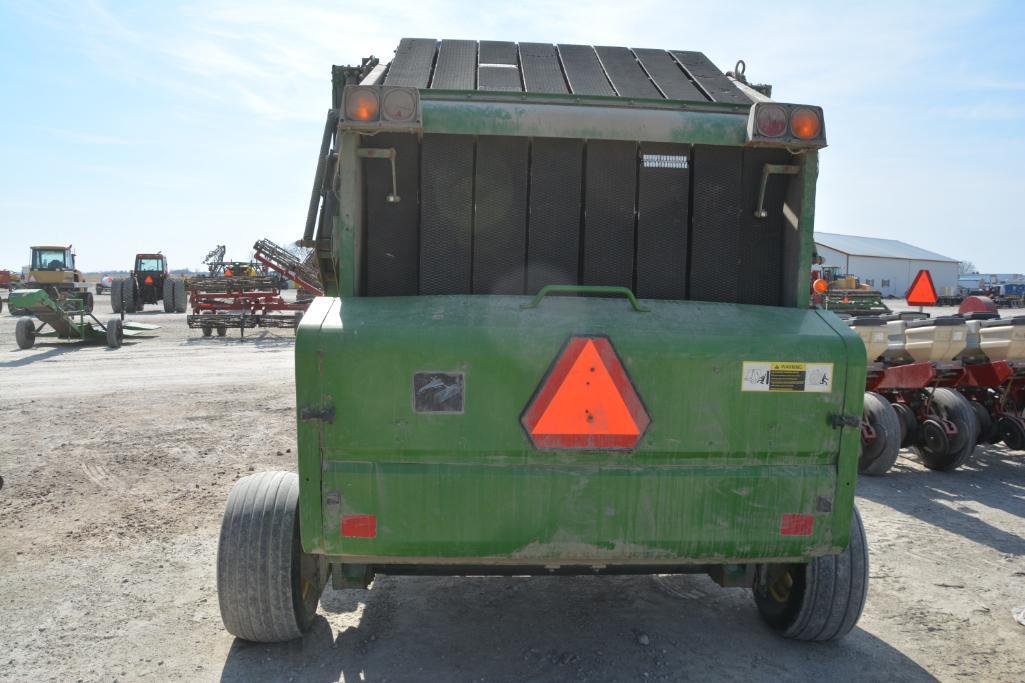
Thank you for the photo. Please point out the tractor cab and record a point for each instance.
(53, 258)
(151, 263)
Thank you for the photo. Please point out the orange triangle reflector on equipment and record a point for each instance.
(586, 402)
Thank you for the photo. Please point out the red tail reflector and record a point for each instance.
(796, 525)
(359, 526)
(148, 280)
(586, 402)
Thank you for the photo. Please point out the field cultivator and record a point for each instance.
(220, 302)
(300, 271)
(77, 324)
(953, 382)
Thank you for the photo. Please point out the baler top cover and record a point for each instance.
(498, 66)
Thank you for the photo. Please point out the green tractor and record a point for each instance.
(565, 330)
(149, 282)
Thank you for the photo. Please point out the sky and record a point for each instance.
(129, 127)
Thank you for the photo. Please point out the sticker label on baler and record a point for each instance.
(787, 377)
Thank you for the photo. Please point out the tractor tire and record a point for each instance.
(879, 456)
(115, 295)
(181, 296)
(955, 452)
(207, 330)
(168, 295)
(222, 330)
(268, 589)
(818, 600)
(25, 333)
(115, 333)
(129, 300)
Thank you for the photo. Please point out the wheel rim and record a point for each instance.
(1013, 433)
(934, 437)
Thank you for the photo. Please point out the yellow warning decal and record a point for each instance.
(787, 376)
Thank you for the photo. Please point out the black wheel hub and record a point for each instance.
(934, 436)
(1012, 431)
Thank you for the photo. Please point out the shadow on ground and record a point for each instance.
(554, 629)
(994, 477)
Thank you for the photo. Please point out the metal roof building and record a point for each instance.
(887, 265)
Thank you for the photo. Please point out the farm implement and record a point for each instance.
(67, 322)
(951, 382)
(565, 330)
(240, 294)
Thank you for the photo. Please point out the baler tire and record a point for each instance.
(25, 333)
(883, 419)
(181, 297)
(115, 295)
(825, 596)
(115, 333)
(268, 589)
(954, 407)
(168, 295)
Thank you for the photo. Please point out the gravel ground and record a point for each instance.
(118, 463)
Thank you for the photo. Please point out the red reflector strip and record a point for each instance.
(359, 526)
(796, 525)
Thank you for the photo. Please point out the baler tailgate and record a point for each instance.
(579, 424)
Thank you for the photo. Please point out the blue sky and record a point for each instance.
(140, 126)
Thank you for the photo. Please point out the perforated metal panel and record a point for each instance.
(715, 226)
(457, 65)
(627, 76)
(761, 239)
(392, 228)
(583, 71)
(414, 59)
(708, 76)
(610, 178)
(446, 214)
(542, 71)
(668, 75)
(663, 205)
(500, 220)
(553, 242)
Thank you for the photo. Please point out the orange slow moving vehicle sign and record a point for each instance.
(922, 291)
(586, 402)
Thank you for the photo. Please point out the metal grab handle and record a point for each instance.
(585, 289)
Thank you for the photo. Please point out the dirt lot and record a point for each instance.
(117, 465)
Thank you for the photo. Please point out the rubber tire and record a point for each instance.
(129, 304)
(25, 333)
(828, 593)
(88, 302)
(881, 416)
(260, 563)
(181, 296)
(168, 295)
(908, 424)
(951, 405)
(115, 295)
(1010, 432)
(985, 421)
(222, 330)
(207, 330)
(115, 333)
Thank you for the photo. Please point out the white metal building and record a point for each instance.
(889, 266)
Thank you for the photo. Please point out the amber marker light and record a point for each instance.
(805, 124)
(362, 105)
(820, 286)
